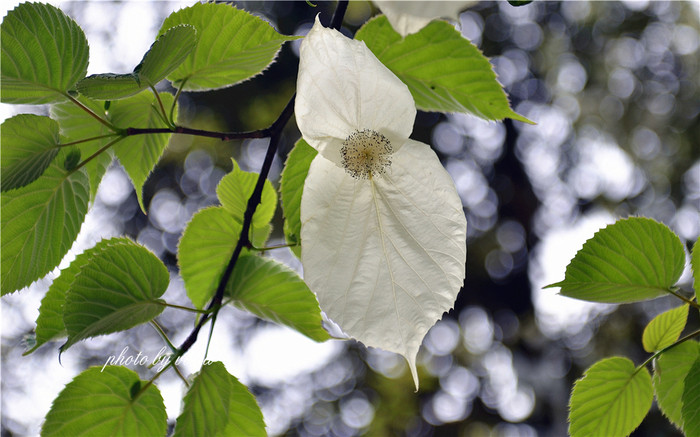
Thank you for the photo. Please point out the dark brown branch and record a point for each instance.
(275, 134)
(223, 136)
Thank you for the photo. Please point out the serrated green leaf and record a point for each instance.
(232, 46)
(670, 370)
(691, 400)
(75, 125)
(443, 70)
(665, 329)
(236, 187)
(273, 292)
(40, 221)
(110, 86)
(204, 251)
(216, 404)
(49, 324)
(117, 289)
(44, 53)
(29, 144)
(140, 153)
(98, 402)
(631, 260)
(166, 54)
(291, 187)
(695, 266)
(611, 399)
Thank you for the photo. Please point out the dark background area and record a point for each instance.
(614, 89)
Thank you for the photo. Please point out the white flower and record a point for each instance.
(408, 17)
(383, 231)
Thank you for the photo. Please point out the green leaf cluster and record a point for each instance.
(632, 260)
(443, 70)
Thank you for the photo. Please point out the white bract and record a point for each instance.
(383, 231)
(408, 17)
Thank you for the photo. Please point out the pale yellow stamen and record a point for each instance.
(366, 154)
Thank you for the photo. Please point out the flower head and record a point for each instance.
(383, 231)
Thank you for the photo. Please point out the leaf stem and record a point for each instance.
(87, 140)
(91, 113)
(163, 115)
(276, 246)
(163, 335)
(94, 155)
(177, 96)
(674, 291)
(223, 136)
(686, 338)
(179, 307)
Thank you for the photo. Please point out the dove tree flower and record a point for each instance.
(407, 17)
(383, 230)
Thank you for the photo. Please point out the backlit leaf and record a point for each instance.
(272, 291)
(204, 251)
(665, 329)
(40, 221)
(631, 260)
(76, 125)
(140, 153)
(98, 402)
(217, 405)
(44, 53)
(236, 187)
(166, 54)
(117, 289)
(691, 400)
(670, 370)
(611, 399)
(232, 46)
(49, 324)
(291, 187)
(29, 144)
(443, 70)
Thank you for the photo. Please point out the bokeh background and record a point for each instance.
(615, 90)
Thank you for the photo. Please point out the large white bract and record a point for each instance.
(383, 231)
(408, 17)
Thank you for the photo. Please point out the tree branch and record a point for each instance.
(275, 134)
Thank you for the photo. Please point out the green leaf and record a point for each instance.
(232, 46)
(204, 251)
(695, 266)
(166, 54)
(665, 329)
(632, 260)
(40, 221)
(611, 399)
(49, 324)
(44, 53)
(117, 289)
(443, 70)
(216, 404)
(236, 187)
(98, 402)
(273, 292)
(691, 400)
(140, 153)
(670, 371)
(29, 144)
(77, 125)
(291, 187)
